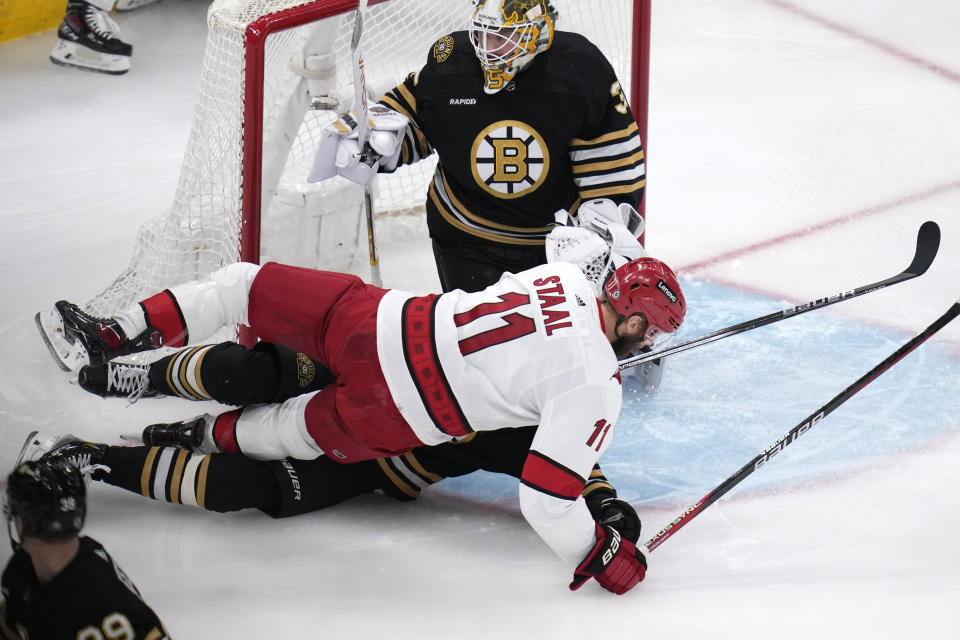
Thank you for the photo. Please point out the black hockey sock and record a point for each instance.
(218, 482)
(232, 374)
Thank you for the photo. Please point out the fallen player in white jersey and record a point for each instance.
(538, 347)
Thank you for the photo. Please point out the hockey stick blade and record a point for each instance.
(928, 243)
(791, 436)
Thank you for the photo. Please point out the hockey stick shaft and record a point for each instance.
(791, 436)
(928, 243)
(363, 133)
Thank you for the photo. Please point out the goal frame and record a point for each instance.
(256, 36)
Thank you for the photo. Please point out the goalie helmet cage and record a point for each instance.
(274, 73)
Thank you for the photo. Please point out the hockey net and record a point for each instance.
(274, 73)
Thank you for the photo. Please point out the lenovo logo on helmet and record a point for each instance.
(667, 291)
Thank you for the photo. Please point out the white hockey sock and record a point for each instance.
(277, 431)
(132, 322)
(207, 305)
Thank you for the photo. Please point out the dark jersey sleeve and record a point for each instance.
(500, 451)
(402, 98)
(606, 154)
(91, 595)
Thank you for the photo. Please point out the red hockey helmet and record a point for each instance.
(650, 287)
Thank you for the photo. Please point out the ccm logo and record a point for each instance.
(666, 291)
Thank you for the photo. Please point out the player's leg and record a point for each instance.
(174, 317)
(351, 421)
(264, 432)
(226, 372)
(220, 482)
(89, 39)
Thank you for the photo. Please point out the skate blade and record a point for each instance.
(28, 446)
(133, 438)
(77, 56)
(69, 355)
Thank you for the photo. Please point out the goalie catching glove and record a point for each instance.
(339, 150)
(601, 238)
(616, 563)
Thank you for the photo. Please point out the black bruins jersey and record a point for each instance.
(310, 485)
(90, 598)
(561, 132)
(500, 451)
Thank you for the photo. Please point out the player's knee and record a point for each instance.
(233, 374)
(296, 372)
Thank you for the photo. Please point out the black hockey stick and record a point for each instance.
(791, 436)
(928, 242)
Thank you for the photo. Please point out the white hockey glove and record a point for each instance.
(599, 240)
(339, 150)
(620, 225)
(581, 247)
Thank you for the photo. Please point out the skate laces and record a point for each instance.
(131, 379)
(99, 22)
(82, 462)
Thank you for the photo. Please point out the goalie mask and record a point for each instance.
(650, 287)
(507, 34)
(49, 497)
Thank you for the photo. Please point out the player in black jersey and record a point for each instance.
(229, 373)
(58, 584)
(526, 120)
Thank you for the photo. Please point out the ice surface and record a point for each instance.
(795, 149)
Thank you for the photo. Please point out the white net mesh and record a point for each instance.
(305, 224)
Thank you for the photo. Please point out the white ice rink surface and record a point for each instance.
(794, 150)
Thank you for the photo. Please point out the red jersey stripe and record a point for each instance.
(550, 477)
(420, 352)
(162, 312)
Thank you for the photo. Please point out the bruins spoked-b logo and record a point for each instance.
(442, 48)
(510, 159)
(306, 371)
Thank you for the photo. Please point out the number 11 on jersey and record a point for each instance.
(600, 429)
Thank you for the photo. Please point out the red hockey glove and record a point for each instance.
(616, 563)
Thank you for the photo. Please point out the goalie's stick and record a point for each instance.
(363, 133)
(791, 436)
(928, 242)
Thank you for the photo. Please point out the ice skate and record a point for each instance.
(117, 380)
(88, 39)
(86, 457)
(31, 450)
(189, 434)
(75, 338)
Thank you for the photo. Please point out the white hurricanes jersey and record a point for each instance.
(529, 350)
